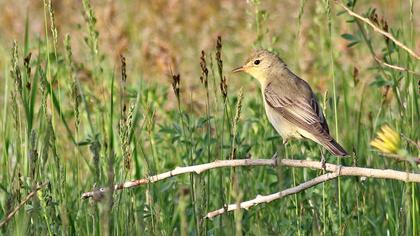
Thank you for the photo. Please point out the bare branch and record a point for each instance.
(356, 171)
(335, 172)
(97, 194)
(21, 204)
(275, 196)
(344, 171)
(377, 29)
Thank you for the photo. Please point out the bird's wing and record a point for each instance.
(317, 109)
(304, 113)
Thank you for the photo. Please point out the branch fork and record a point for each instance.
(334, 172)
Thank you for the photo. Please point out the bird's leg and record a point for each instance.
(275, 158)
(285, 144)
(323, 161)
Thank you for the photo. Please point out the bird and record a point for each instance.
(290, 104)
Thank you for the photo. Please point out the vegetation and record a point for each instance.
(101, 93)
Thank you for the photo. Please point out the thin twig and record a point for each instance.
(377, 29)
(400, 68)
(275, 196)
(344, 171)
(417, 144)
(397, 157)
(21, 204)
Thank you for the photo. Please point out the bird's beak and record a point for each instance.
(239, 69)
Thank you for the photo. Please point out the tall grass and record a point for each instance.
(83, 122)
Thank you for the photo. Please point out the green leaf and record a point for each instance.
(341, 12)
(349, 37)
(352, 44)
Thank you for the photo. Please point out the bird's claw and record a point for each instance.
(275, 159)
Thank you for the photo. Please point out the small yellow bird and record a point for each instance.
(289, 102)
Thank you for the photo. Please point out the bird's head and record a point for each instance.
(260, 64)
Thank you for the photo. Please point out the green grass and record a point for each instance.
(78, 123)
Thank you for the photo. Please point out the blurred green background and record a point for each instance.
(75, 116)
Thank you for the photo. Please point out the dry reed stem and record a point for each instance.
(377, 29)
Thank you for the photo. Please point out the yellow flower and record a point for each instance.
(387, 140)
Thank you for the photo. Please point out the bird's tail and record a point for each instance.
(334, 148)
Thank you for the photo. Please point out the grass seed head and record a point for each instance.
(123, 69)
(16, 75)
(204, 71)
(176, 81)
(219, 56)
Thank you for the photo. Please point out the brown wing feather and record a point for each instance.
(318, 111)
(307, 115)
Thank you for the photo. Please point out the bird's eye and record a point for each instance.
(256, 62)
